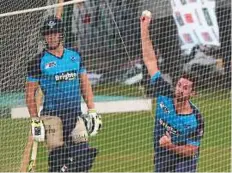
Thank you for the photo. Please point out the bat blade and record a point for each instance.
(31, 166)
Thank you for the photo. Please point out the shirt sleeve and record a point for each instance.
(82, 67)
(159, 86)
(33, 69)
(195, 138)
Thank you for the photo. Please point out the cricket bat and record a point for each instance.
(28, 164)
(32, 163)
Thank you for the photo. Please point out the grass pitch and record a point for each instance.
(125, 143)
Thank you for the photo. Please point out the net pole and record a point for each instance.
(40, 8)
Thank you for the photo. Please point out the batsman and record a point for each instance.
(61, 75)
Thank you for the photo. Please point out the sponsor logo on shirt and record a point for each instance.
(50, 65)
(66, 76)
(169, 128)
(164, 108)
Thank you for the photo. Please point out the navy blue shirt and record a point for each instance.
(184, 129)
(58, 78)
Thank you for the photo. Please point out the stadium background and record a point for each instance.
(19, 37)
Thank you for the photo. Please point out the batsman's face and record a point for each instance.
(53, 40)
(184, 89)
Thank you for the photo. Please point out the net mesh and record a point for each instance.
(107, 34)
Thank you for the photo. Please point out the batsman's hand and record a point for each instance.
(93, 122)
(38, 130)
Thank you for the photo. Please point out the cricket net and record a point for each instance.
(188, 35)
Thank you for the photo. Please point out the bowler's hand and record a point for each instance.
(165, 140)
(145, 22)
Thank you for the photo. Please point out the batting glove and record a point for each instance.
(38, 130)
(93, 122)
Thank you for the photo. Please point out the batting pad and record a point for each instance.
(54, 131)
(79, 133)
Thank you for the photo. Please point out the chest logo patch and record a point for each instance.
(50, 65)
(66, 76)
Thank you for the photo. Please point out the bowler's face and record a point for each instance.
(184, 89)
(52, 39)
